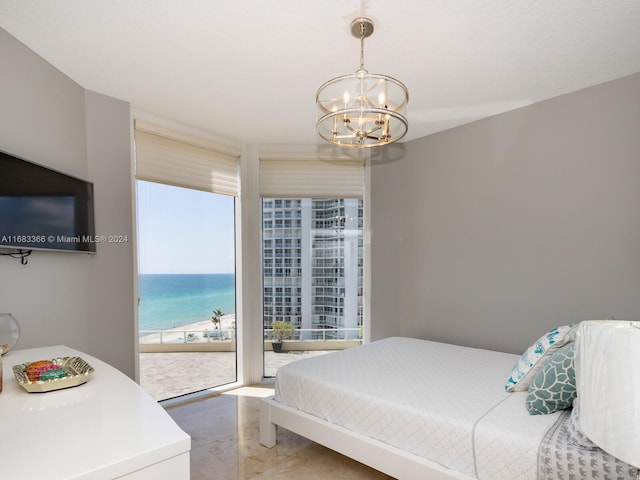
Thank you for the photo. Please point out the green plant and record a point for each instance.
(281, 330)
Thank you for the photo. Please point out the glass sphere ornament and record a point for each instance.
(9, 332)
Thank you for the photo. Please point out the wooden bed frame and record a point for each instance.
(378, 455)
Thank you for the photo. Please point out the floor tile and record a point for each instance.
(224, 433)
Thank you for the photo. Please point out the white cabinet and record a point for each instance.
(106, 428)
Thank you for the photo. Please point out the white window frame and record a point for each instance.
(248, 207)
(150, 123)
(360, 160)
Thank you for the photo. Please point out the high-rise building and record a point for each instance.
(313, 265)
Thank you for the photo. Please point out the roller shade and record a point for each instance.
(175, 158)
(294, 175)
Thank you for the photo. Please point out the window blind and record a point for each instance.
(296, 175)
(183, 160)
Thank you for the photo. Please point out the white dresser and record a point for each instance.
(106, 428)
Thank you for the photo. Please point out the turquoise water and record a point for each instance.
(173, 300)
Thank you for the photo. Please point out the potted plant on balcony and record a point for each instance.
(281, 330)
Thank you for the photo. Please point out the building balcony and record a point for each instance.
(176, 362)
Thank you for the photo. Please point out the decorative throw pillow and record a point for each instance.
(554, 387)
(526, 368)
(575, 435)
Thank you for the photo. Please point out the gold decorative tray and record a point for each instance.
(75, 370)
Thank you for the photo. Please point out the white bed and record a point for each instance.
(412, 409)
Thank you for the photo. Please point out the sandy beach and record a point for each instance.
(177, 334)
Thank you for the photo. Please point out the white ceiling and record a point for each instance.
(249, 69)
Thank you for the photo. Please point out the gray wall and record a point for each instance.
(387, 217)
(111, 328)
(83, 301)
(513, 224)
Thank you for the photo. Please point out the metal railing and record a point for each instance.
(186, 336)
(228, 335)
(319, 334)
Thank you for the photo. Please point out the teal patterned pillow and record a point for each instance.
(554, 387)
(526, 368)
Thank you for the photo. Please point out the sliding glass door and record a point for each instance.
(186, 285)
(186, 190)
(312, 277)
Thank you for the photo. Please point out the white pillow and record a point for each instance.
(526, 368)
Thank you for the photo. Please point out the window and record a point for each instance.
(312, 253)
(330, 274)
(185, 190)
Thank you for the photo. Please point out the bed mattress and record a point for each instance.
(442, 402)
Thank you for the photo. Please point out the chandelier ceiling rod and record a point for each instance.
(362, 31)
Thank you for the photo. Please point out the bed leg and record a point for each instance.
(267, 429)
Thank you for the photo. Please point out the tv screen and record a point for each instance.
(43, 209)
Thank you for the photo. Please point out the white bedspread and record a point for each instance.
(442, 402)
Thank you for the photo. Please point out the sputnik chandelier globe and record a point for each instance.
(362, 110)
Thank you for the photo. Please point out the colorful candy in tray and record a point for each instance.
(45, 370)
(54, 374)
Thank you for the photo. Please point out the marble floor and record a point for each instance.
(224, 443)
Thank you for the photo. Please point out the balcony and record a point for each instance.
(180, 361)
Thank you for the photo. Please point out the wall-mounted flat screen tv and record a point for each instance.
(42, 209)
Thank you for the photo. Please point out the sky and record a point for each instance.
(184, 231)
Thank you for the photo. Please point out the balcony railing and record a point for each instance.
(186, 336)
(228, 335)
(320, 334)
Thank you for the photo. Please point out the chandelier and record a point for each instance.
(363, 109)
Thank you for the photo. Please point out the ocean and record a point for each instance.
(172, 300)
